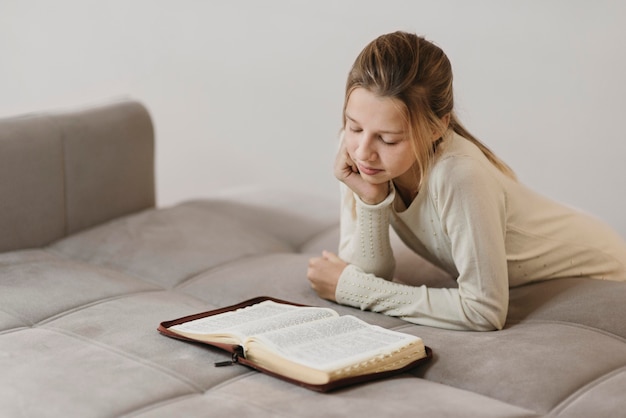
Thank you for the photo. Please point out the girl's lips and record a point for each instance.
(369, 171)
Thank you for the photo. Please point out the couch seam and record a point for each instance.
(568, 324)
(274, 412)
(586, 388)
(59, 315)
(65, 186)
(158, 404)
(89, 305)
(218, 267)
(62, 135)
(312, 237)
(181, 283)
(103, 267)
(16, 316)
(12, 330)
(129, 356)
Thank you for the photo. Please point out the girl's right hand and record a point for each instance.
(346, 171)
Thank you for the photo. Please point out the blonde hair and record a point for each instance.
(418, 74)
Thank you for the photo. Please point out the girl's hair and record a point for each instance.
(418, 74)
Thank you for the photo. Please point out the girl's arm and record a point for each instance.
(472, 208)
(364, 242)
(364, 235)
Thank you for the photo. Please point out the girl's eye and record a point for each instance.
(386, 142)
(355, 129)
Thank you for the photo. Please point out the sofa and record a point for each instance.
(90, 266)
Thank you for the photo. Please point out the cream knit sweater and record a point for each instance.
(485, 229)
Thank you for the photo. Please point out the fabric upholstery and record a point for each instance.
(78, 318)
(65, 171)
(32, 207)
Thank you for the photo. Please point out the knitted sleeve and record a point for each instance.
(365, 234)
(471, 206)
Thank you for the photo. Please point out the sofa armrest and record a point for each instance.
(62, 172)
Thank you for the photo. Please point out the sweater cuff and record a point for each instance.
(345, 293)
(385, 203)
(362, 290)
(367, 292)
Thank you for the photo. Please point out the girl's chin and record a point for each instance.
(375, 180)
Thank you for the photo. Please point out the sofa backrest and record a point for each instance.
(61, 172)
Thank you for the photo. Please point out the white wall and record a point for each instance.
(250, 92)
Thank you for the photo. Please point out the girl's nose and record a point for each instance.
(365, 151)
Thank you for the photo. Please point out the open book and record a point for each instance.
(314, 347)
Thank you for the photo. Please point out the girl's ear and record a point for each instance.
(445, 122)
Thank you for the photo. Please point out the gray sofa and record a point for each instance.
(89, 267)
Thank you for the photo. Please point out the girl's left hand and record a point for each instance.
(323, 274)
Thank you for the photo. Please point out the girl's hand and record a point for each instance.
(347, 172)
(323, 274)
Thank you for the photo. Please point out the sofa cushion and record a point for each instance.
(31, 167)
(66, 171)
(78, 325)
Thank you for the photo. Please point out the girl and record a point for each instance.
(406, 161)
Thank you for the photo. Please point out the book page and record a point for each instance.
(336, 343)
(254, 319)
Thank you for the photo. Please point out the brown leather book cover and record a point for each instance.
(237, 352)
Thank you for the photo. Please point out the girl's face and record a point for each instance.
(375, 137)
